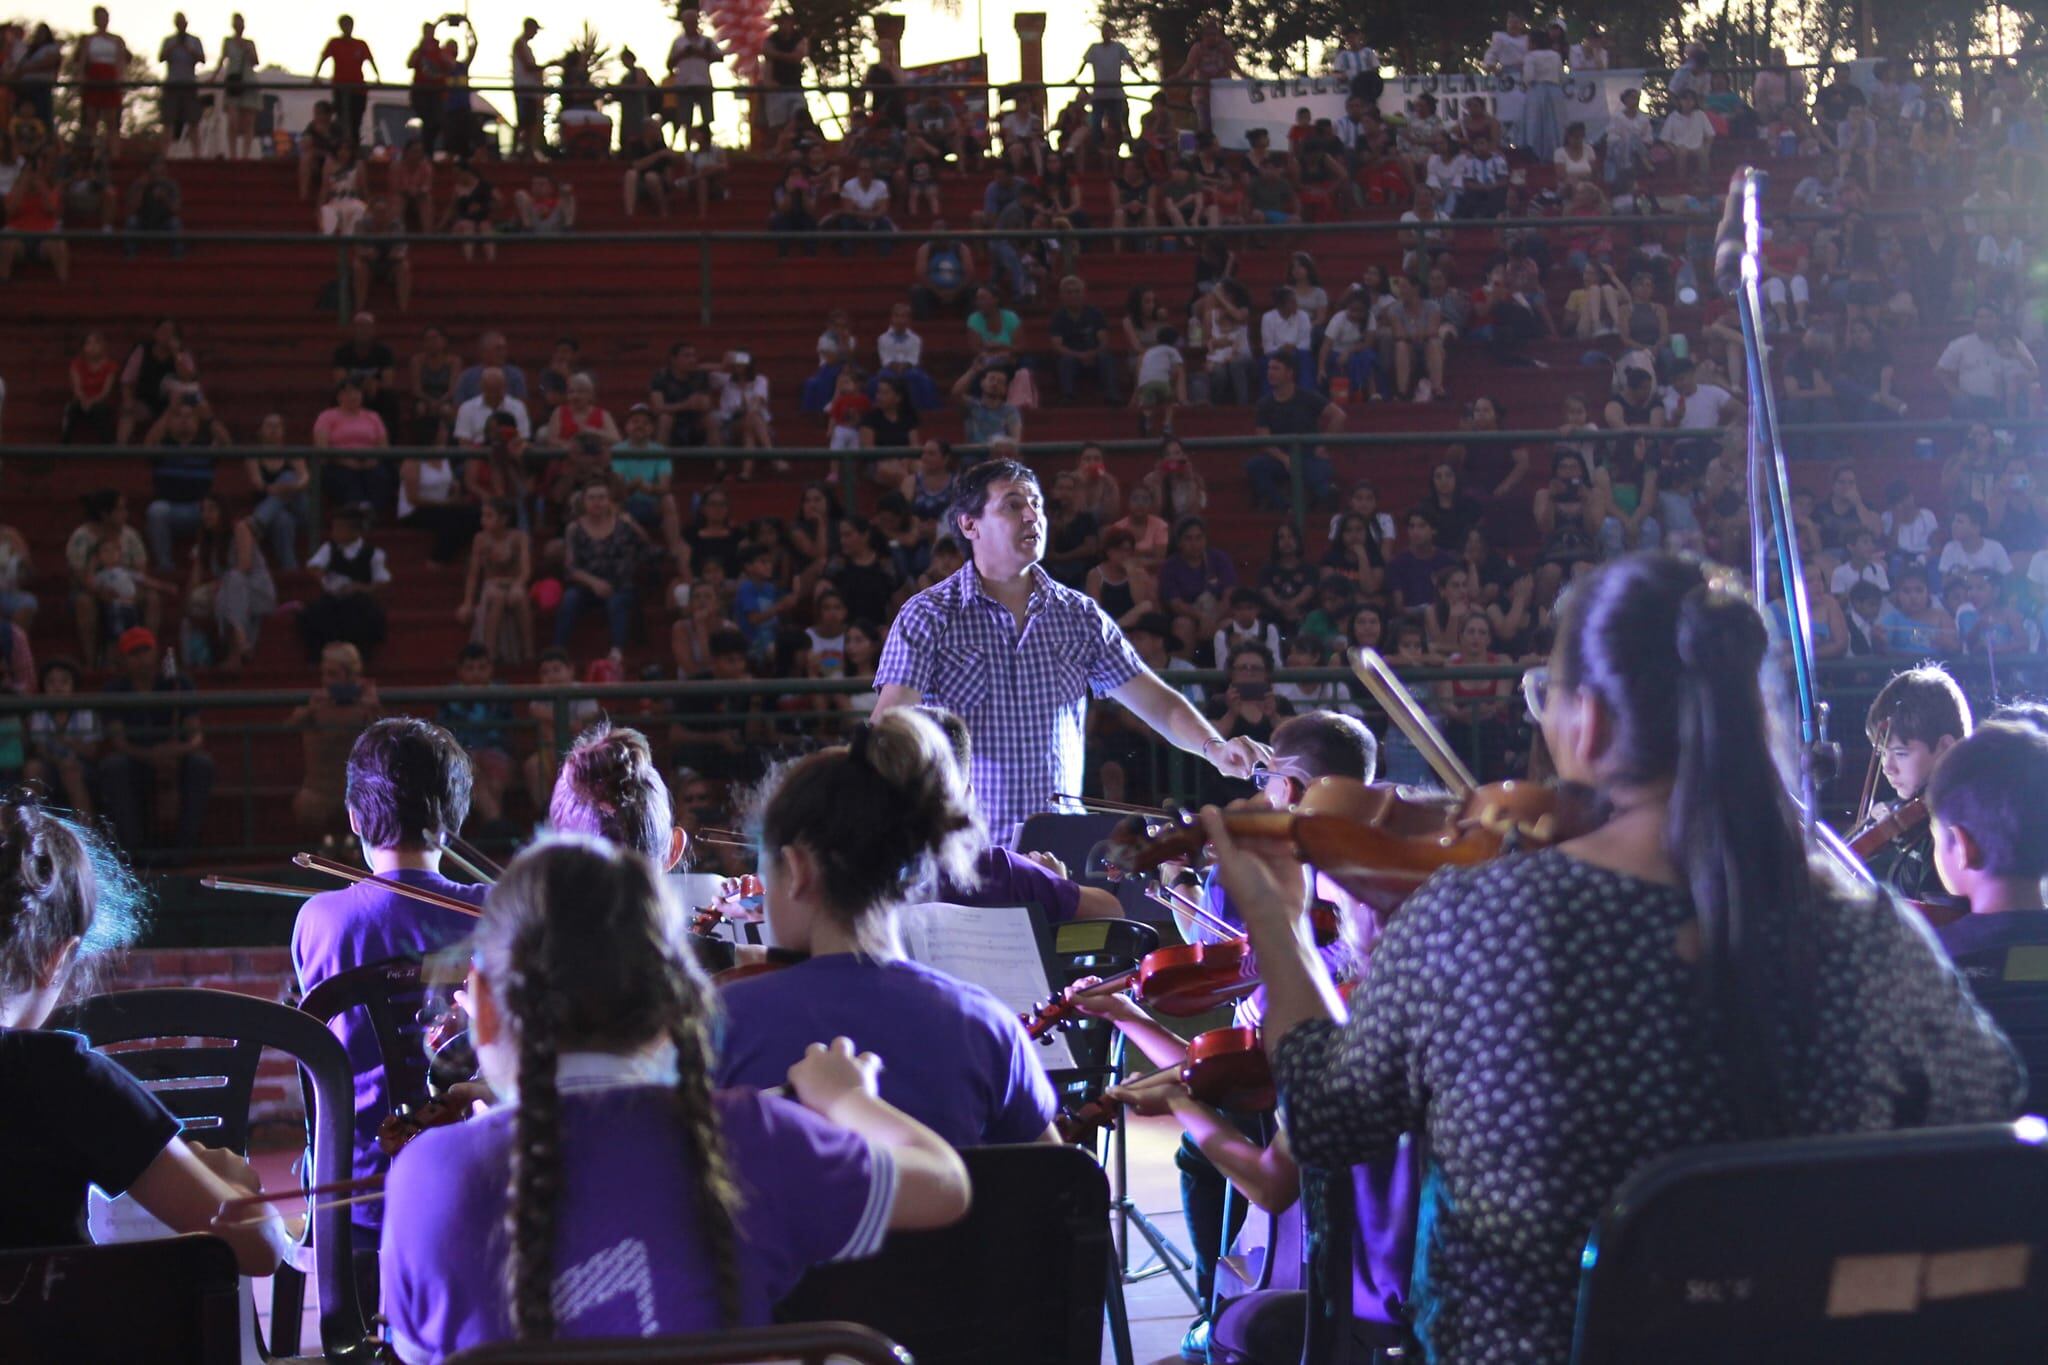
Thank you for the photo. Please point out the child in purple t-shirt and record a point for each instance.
(845, 834)
(642, 1201)
(407, 787)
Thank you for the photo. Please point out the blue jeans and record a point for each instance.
(1272, 489)
(164, 520)
(282, 518)
(619, 610)
(1104, 364)
(1006, 258)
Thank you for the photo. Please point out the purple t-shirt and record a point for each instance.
(630, 1260)
(1180, 581)
(1414, 577)
(1006, 878)
(339, 930)
(953, 1057)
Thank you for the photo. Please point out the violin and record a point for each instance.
(1182, 980)
(1378, 844)
(1896, 823)
(407, 1122)
(775, 960)
(1226, 1068)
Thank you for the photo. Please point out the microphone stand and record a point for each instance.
(1773, 533)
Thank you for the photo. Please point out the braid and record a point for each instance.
(717, 1195)
(537, 1147)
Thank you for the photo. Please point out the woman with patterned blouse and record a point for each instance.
(1552, 1021)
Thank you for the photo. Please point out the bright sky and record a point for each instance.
(292, 35)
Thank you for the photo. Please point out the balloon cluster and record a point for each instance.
(741, 27)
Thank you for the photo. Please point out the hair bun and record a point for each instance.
(1718, 628)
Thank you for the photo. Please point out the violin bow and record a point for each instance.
(1400, 704)
(215, 882)
(1174, 899)
(313, 862)
(362, 1191)
(470, 860)
(1869, 793)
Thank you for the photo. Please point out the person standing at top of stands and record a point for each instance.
(786, 49)
(349, 55)
(1108, 110)
(100, 60)
(1015, 655)
(181, 54)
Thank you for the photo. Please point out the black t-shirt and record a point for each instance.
(69, 1118)
(181, 478)
(890, 432)
(367, 363)
(1080, 331)
(723, 548)
(867, 588)
(1300, 415)
(785, 69)
(151, 725)
(689, 426)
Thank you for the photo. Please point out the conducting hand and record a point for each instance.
(1237, 757)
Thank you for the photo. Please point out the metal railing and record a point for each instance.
(1848, 685)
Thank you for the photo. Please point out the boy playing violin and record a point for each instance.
(1918, 716)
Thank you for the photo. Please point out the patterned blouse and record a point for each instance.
(1534, 1019)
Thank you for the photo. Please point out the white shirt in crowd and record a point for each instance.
(1980, 367)
(474, 417)
(335, 582)
(1157, 365)
(1543, 65)
(691, 58)
(1847, 576)
(1913, 537)
(1507, 49)
(869, 197)
(1687, 131)
(1276, 331)
(1989, 555)
(904, 348)
(1700, 410)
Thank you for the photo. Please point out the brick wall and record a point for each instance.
(265, 973)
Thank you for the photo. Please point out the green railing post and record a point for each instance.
(849, 482)
(564, 737)
(703, 281)
(1297, 482)
(248, 788)
(344, 291)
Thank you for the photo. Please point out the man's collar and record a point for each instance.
(1041, 583)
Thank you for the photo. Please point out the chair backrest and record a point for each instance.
(2011, 983)
(1020, 1281)
(219, 1105)
(391, 995)
(175, 1300)
(1072, 839)
(1928, 1245)
(811, 1343)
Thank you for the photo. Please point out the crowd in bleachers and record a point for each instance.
(549, 490)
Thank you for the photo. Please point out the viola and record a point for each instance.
(1893, 825)
(1225, 1067)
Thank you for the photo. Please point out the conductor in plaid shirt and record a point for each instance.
(1016, 655)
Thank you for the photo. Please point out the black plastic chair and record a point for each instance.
(391, 994)
(1899, 1247)
(208, 1088)
(812, 1343)
(176, 1300)
(1073, 839)
(1020, 1281)
(2011, 983)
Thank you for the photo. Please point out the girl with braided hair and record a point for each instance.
(70, 1117)
(845, 835)
(614, 1192)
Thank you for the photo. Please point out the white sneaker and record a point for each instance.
(1423, 393)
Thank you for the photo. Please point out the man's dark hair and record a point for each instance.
(1258, 652)
(1995, 785)
(728, 642)
(553, 654)
(472, 650)
(1326, 744)
(1975, 511)
(408, 783)
(1239, 596)
(958, 738)
(970, 492)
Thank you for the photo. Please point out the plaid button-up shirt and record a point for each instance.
(1023, 693)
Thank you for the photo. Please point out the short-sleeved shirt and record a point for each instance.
(1108, 61)
(1531, 1019)
(1004, 333)
(181, 55)
(1979, 366)
(69, 1118)
(1006, 878)
(340, 930)
(1080, 331)
(1300, 415)
(1023, 693)
(953, 1057)
(149, 725)
(344, 431)
(348, 56)
(630, 1259)
(177, 477)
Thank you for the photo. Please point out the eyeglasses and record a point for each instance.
(1536, 692)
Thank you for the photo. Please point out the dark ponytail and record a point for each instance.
(608, 788)
(59, 881)
(1676, 657)
(887, 812)
(581, 942)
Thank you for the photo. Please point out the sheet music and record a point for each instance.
(996, 948)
